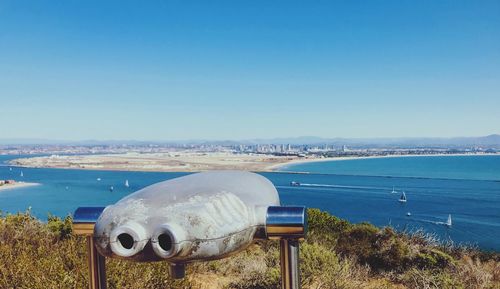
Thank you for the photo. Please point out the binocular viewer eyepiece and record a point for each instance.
(198, 217)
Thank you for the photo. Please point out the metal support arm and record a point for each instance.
(83, 224)
(289, 225)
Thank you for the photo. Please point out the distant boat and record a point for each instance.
(98, 179)
(408, 214)
(126, 183)
(111, 189)
(402, 199)
(22, 175)
(394, 191)
(448, 222)
(293, 183)
(10, 169)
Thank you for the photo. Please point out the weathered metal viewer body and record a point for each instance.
(198, 217)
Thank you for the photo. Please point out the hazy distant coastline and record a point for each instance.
(185, 161)
(188, 161)
(252, 155)
(282, 167)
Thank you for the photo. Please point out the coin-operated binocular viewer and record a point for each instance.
(198, 217)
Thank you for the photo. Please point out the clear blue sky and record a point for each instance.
(169, 70)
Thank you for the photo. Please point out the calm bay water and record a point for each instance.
(468, 188)
(469, 167)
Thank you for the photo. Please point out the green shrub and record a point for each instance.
(433, 258)
(62, 228)
(359, 240)
(325, 228)
(393, 255)
(253, 269)
(316, 260)
(417, 279)
(254, 280)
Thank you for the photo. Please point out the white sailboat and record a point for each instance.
(22, 175)
(402, 199)
(98, 179)
(394, 191)
(448, 222)
(10, 169)
(126, 183)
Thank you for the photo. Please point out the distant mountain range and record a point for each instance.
(490, 140)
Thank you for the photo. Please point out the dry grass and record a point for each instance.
(46, 255)
(477, 275)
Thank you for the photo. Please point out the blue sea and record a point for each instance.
(467, 187)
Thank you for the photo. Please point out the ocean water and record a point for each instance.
(469, 167)
(358, 195)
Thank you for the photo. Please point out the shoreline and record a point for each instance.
(184, 161)
(282, 167)
(193, 162)
(17, 185)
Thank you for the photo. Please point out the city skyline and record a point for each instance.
(180, 71)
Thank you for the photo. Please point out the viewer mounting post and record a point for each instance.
(84, 220)
(289, 225)
(155, 224)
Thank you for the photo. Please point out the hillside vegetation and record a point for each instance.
(336, 254)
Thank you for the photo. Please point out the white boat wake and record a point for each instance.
(296, 184)
(448, 222)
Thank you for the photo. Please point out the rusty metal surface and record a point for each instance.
(202, 216)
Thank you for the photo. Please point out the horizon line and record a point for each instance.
(29, 140)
